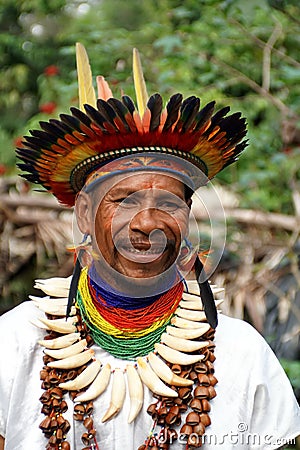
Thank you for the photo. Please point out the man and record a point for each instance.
(137, 354)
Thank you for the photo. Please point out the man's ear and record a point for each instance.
(189, 202)
(83, 212)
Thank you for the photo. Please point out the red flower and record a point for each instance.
(18, 142)
(48, 107)
(2, 169)
(51, 71)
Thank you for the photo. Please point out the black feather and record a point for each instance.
(172, 111)
(95, 115)
(120, 110)
(188, 112)
(74, 283)
(128, 103)
(155, 104)
(206, 294)
(204, 115)
(81, 116)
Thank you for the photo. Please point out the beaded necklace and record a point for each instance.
(126, 333)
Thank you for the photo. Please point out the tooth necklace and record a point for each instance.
(179, 372)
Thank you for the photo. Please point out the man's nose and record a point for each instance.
(147, 220)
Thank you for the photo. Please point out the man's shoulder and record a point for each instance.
(18, 323)
(237, 334)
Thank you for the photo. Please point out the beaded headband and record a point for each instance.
(66, 151)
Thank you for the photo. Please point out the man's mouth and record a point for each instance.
(142, 252)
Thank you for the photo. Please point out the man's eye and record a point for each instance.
(168, 206)
(126, 201)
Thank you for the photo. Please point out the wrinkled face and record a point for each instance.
(139, 222)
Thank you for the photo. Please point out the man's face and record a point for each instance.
(139, 223)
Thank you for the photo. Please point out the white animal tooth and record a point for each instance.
(216, 290)
(50, 307)
(73, 361)
(118, 392)
(152, 381)
(61, 342)
(165, 373)
(67, 351)
(193, 287)
(58, 301)
(60, 325)
(188, 333)
(184, 323)
(97, 387)
(83, 379)
(176, 357)
(197, 316)
(191, 297)
(187, 304)
(58, 287)
(136, 392)
(182, 345)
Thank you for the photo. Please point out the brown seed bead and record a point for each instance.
(163, 411)
(60, 421)
(183, 408)
(53, 440)
(66, 427)
(199, 429)
(63, 406)
(200, 367)
(211, 392)
(89, 408)
(85, 439)
(79, 408)
(176, 368)
(57, 393)
(203, 379)
(205, 405)
(88, 423)
(78, 417)
(205, 419)
(212, 357)
(196, 405)
(46, 409)
(45, 397)
(45, 424)
(201, 392)
(177, 422)
(210, 367)
(212, 379)
(192, 418)
(92, 433)
(142, 447)
(193, 375)
(178, 401)
(59, 434)
(43, 374)
(186, 429)
(56, 404)
(65, 446)
(184, 393)
(151, 410)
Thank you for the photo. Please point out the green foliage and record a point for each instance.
(215, 49)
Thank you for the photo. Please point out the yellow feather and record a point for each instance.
(139, 83)
(85, 80)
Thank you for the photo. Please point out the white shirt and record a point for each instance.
(254, 409)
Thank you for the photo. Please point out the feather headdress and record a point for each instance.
(67, 150)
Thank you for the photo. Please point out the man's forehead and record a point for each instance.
(141, 182)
